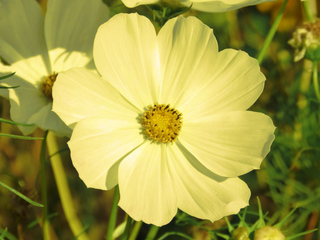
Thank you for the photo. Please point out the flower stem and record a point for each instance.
(135, 230)
(113, 214)
(152, 232)
(63, 189)
(306, 6)
(315, 80)
(127, 229)
(45, 223)
(272, 32)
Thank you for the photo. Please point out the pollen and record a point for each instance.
(162, 123)
(47, 85)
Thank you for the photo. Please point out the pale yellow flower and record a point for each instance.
(202, 5)
(37, 47)
(185, 155)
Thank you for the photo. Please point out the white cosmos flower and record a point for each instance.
(202, 5)
(181, 66)
(36, 46)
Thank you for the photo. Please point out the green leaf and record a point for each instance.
(9, 75)
(20, 137)
(2, 87)
(8, 235)
(21, 195)
(279, 225)
(3, 234)
(301, 234)
(15, 123)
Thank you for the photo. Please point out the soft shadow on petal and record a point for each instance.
(202, 194)
(48, 120)
(125, 53)
(97, 144)
(21, 32)
(146, 189)
(221, 5)
(229, 144)
(70, 27)
(188, 51)
(25, 101)
(236, 83)
(134, 3)
(80, 93)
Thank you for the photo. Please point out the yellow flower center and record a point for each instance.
(47, 85)
(162, 123)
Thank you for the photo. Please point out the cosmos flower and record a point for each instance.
(202, 5)
(38, 48)
(167, 119)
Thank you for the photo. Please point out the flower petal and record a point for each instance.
(221, 5)
(236, 83)
(126, 54)
(29, 105)
(146, 187)
(229, 144)
(80, 93)
(98, 144)
(70, 27)
(21, 32)
(188, 50)
(201, 193)
(134, 3)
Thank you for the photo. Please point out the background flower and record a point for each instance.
(36, 46)
(203, 5)
(180, 66)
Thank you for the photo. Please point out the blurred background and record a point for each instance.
(289, 176)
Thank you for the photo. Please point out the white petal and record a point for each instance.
(221, 5)
(48, 120)
(236, 83)
(21, 32)
(134, 3)
(70, 27)
(229, 144)
(201, 193)
(97, 147)
(188, 52)
(126, 54)
(80, 93)
(29, 105)
(146, 187)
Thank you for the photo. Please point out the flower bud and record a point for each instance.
(240, 233)
(268, 233)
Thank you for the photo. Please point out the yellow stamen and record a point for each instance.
(162, 123)
(47, 85)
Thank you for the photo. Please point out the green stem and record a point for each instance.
(306, 6)
(135, 230)
(315, 80)
(152, 232)
(113, 214)
(45, 222)
(63, 189)
(127, 229)
(272, 32)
